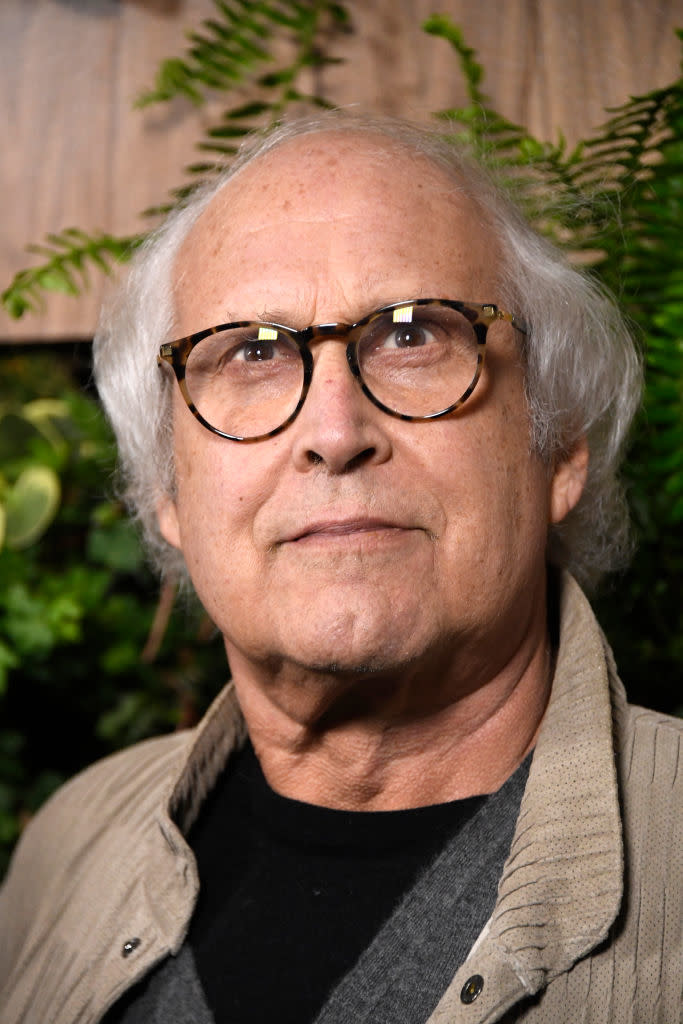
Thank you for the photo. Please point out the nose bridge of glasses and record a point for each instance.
(326, 332)
(340, 332)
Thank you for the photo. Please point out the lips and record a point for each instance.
(342, 528)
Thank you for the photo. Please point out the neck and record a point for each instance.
(367, 744)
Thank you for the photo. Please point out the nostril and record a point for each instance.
(315, 459)
(363, 456)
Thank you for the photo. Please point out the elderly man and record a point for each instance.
(377, 419)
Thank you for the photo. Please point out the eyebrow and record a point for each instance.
(377, 291)
(280, 316)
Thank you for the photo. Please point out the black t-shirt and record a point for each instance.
(291, 893)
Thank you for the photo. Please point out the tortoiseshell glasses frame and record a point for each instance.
(270, 349)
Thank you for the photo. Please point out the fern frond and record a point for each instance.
(66, 258)
(234, 52)
(233, 48)
(220, 57)
(443, 26)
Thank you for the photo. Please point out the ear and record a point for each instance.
(569, 479)
(167, 518)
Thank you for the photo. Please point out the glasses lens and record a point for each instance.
(419, 360)
(245, 381)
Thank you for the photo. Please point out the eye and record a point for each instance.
(261, 345)
(255, 351)
(242, 351)
(407, 336)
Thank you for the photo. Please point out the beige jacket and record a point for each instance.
(586, 928)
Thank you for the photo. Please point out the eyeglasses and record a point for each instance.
(416, 360)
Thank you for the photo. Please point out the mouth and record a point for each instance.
(340, 528)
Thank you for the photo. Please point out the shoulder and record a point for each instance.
(650, 768)
(649, 749)
(649, 764)
(115, 795)
(647, 933)
(141, 775)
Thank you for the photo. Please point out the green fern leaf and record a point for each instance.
(65, 267)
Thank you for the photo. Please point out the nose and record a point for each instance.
(338, 427)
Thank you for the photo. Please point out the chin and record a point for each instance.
(384, 656)
(352, 643)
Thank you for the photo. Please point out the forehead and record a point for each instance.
(330, 226)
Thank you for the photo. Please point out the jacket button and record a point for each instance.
(472, 988)
(130, 947)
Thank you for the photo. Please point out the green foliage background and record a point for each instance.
(92, 656)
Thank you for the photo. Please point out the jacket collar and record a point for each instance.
(562, 883)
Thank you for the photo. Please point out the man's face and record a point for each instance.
(354, 541)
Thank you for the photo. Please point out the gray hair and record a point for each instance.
(583, 372)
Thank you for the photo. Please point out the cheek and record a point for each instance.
(221, 489)
(494, 493)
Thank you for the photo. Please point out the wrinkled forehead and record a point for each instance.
(335, 205)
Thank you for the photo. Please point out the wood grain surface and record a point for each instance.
(76, 155)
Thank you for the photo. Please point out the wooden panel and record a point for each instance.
(551, 64)
(70, 69)
(79, 155)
